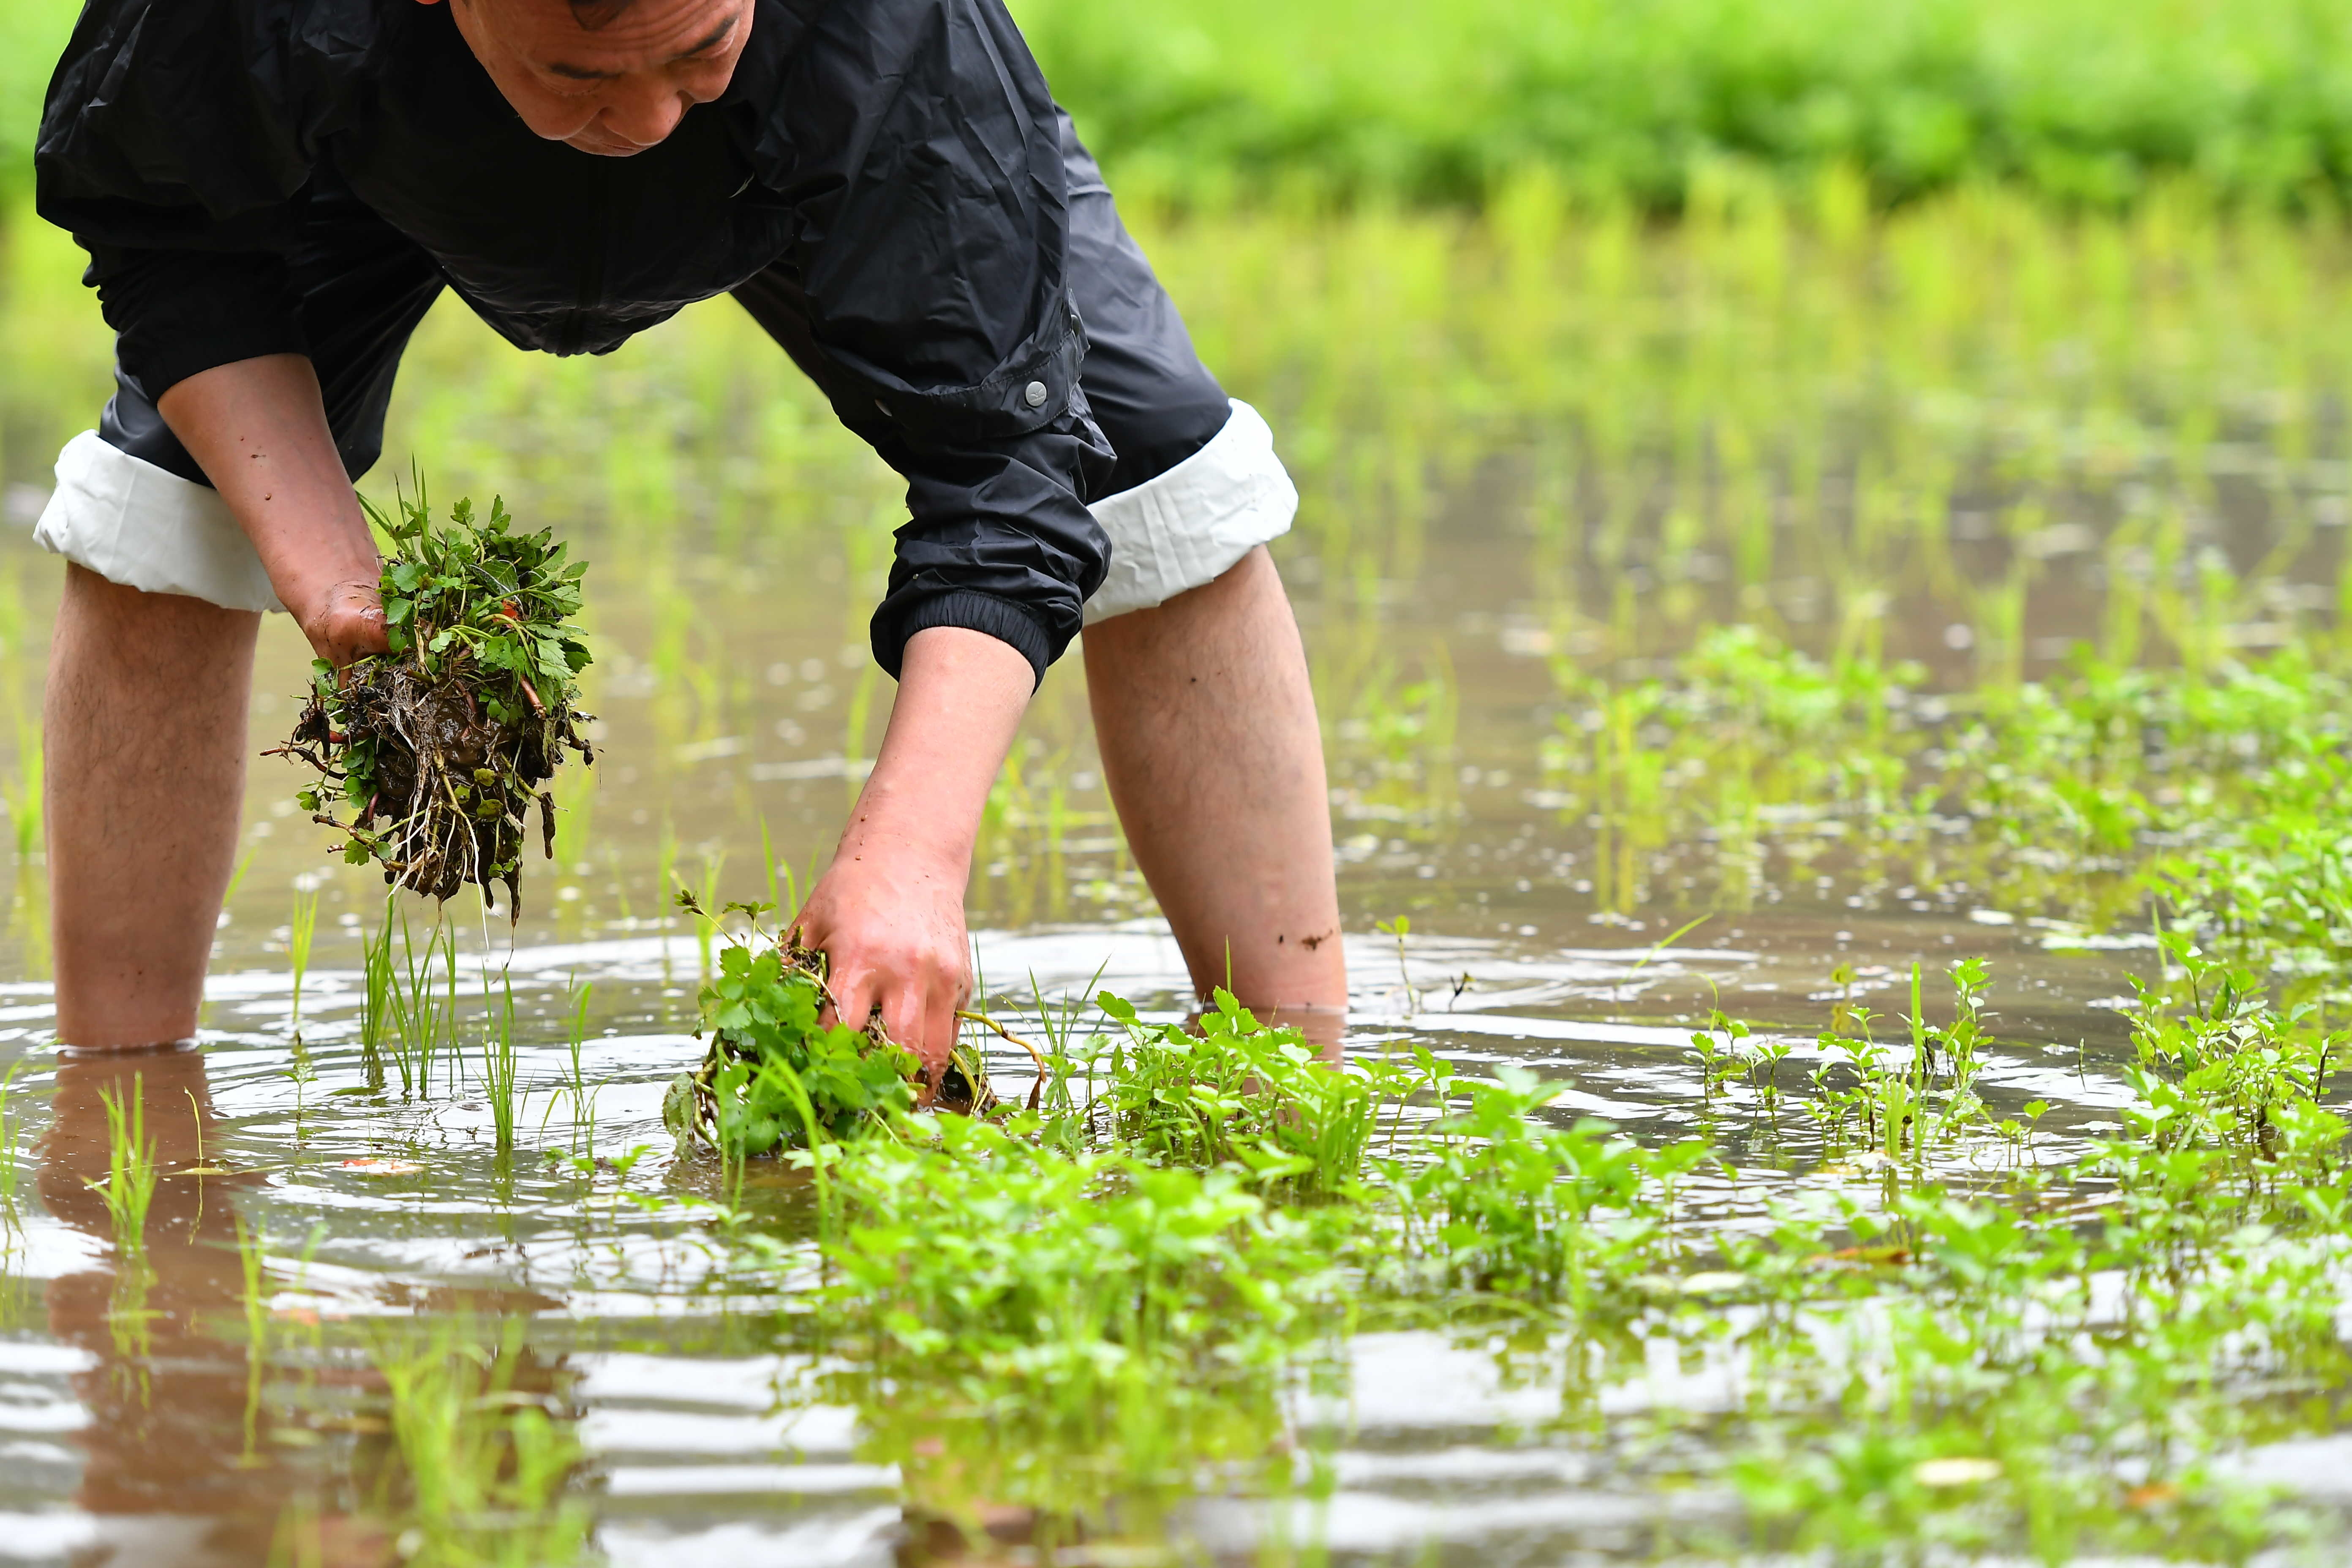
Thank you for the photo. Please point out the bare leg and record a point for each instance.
(145, 731)
(1214, 761)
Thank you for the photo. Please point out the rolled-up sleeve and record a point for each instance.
(933, 267)
(176, 312)
(997, 541)
(174, 147)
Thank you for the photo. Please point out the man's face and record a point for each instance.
(615, 88)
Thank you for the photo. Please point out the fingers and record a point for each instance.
(853, 994)
(357, 636)
(894, 944)
(919, 1010)
(348, 623)
(907, 1018)
(948, 993)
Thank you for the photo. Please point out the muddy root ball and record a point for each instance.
(439, 748)
(452, 788)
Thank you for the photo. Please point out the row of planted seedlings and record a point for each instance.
(1146, 1261)
(1126, 1280)
(1123, 1284)
(2078, 798)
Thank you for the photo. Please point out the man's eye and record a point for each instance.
(569, 86)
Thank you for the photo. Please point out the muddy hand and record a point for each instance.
(892, 930)
(345, 623)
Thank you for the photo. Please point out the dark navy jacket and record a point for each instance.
(896, 163)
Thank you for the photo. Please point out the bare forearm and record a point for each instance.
(961, 698)
(258, 429)
(889, 912)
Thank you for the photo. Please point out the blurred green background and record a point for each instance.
(1982, 333)
(1212, 102)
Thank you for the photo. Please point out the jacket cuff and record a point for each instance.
(1000, 618)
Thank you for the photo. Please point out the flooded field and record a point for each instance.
(1723, 634)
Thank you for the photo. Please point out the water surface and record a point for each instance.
(1479, 537)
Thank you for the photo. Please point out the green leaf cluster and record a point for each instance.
(1238, 1091)
(2077, 103)
(439, 746)
(980, 1241)
(774, 1072)
(503, 597)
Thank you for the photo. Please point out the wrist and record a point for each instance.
(321, 559)
(886, 825)
(960, 697)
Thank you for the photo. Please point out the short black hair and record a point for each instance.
(594, 13)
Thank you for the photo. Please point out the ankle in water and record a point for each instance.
(70, 1052)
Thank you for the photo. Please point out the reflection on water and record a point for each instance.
(431, 1334)
(176, 1463)
(218, 1419)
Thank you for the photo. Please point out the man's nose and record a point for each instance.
(646, 113)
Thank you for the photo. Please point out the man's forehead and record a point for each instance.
(596, 42)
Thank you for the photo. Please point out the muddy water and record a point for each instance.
(127, 1427)
(138, 1447)
(738, 705)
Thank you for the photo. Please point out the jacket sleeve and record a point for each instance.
(932, 262)
(173, 148)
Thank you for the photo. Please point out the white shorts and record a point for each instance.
(132, 523)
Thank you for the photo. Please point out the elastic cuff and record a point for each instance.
(1000, 618)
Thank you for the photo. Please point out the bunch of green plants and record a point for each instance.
(1233, 1092)
(2222, 1072)
(1052, 1328)
(2082, 796)
(969, 1237)
(440, 747)
(1955, 1327)
(774, 1077)
(2044, 1369)
(2009, 1382)
(133, 1169)
(1977, 1351)
(1507, 1205)
(2079, 101)
(408, 1006)
(1905, 1098)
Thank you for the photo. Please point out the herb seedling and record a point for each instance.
(773, 1076)
(132, 1172)
(584, 1098)
(440, 747)
(299, 936)
(501, 1072)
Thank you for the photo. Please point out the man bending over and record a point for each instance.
(273, 192)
